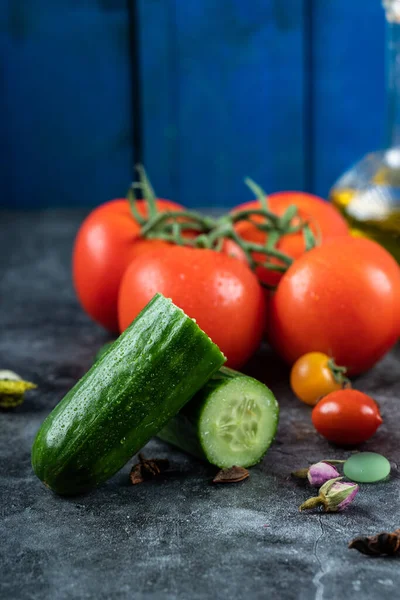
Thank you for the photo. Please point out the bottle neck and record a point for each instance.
(393, 72)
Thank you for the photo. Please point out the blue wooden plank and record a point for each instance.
(159, 93)
(65, 106)
(348, 85)
(222, 88)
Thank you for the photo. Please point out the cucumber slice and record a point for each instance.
(127, 396)
(231, 421)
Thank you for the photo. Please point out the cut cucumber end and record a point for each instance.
(238, 424)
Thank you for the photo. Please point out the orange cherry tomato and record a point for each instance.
(107, 241)
(346, 417)
(313, 376)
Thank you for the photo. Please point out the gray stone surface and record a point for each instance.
(178, 537)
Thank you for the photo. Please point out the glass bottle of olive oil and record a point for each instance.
(368, 194)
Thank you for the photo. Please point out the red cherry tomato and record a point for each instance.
(346, 417)
(219, 291)
(106, 243)
(342, 299)
(324, 220)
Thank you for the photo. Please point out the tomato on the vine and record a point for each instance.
(219, 291)
(342, 299)
(346, 417)
(324, 220)
(231, 248)
(315, 375)
(107, 241)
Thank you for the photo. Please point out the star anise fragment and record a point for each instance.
(382, 544)
(231, 475)
(147, 468)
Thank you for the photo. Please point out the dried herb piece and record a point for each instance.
(136, 475)
(382, 544)
(147, 468)
(231, 475)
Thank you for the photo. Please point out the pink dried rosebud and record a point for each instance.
(341, 494)
(319, 473)
(334, 496)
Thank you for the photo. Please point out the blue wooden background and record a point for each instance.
(290, 92)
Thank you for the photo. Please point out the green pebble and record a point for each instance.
(366, 467)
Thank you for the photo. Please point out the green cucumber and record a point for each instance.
(231, 421)
(127, 396)
(102, 350)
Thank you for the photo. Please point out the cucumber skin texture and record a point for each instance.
(183, 429)
(102, 351)
(126, 397)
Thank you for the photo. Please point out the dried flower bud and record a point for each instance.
(321, 472)
(9, 375)
(12, 389)
(334, 496)
(341, 495)
(318, 473)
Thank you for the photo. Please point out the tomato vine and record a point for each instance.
(204, 231)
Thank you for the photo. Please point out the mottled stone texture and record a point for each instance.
(178, 537)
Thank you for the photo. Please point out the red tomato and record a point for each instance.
(323, 218)
(106, 243)
(231, 248)
(342, 299)
(220, 292)
(346, 417)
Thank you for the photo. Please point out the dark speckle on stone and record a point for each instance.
(177, 537)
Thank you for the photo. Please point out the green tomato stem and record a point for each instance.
(148, 192)
(339, 373)
(258, 191)
(130, 196)
(171, 226)
(243, 215)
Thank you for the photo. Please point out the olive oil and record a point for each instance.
(372, 211)
(368, 194)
